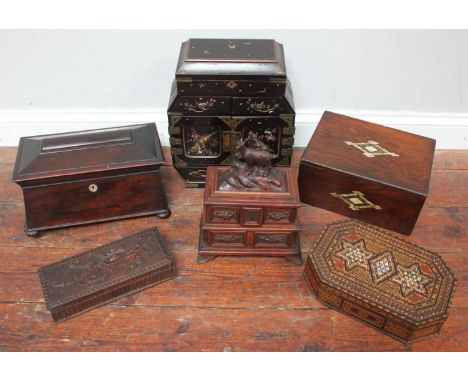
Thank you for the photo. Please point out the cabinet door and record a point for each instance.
(198, 141)
(275, 133)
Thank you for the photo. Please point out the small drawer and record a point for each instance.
(226, 238)
(223, 215)
(274, 239)
(251, 216)
(231, 87)
(279, 216)
(202, 105)
(260, 106)
(363, 314)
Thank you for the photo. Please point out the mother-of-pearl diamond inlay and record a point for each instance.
(411, 280)
(355, 254)
(382, 267)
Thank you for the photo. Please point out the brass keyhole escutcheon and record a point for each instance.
(93, 187)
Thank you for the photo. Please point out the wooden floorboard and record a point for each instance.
(229, 304)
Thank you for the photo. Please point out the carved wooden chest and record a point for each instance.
(235, 223)
(99, 276)
(90, 176)
(367, 171)
(223, 90)
(392, 285)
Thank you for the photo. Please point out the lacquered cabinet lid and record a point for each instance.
(231, 57)
(85, 152)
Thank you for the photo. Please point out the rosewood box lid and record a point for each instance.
(231, 57)
(383, 274)
(73, 155)
(373, 151)
(97, 276)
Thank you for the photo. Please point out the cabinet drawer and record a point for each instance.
(226, 238)
(202, 105)
(260, 106)
(363, 314)
(223, 215)
(231, 87)
(279, 216)
(274, 239)
(95, 199)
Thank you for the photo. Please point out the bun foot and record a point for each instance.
(164, 214)
(296, 260)
(204, 259)
(31, 232)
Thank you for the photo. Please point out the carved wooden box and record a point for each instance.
(90, 176)
(99, 276)
(223, 90)
(390, 284)
(235, 223)
(367, 171)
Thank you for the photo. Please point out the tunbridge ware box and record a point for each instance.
(367, 171)
(223, 90)
(90, 176)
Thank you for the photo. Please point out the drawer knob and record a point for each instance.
(93, 187)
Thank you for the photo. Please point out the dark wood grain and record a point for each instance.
(230, 304)
(367, 172)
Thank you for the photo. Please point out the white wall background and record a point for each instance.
(65, 80)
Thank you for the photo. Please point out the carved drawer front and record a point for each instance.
(274, 239)
(259, 106)
(230, 87)
(226, 238)
(363, 314)
(93, 199)
(202, 105)
(279, 216)
(223, 215)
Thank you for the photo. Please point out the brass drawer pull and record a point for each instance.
(93, 187)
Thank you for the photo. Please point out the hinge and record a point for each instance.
(174, 130)
(176, 150)
(175, 141)
(289, 130)
(287, 141)
(286, 152)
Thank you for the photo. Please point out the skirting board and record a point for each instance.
(450, 130)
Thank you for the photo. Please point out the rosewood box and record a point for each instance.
(250, 223)
(367, 171)
(99, 276)
(90, 176)
(394, 286)
(223, 90)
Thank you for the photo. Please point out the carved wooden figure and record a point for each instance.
(250, 208)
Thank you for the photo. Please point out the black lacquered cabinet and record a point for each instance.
(223, 91)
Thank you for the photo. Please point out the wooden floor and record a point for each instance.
(229, 304)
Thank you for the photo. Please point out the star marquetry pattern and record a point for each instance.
(411, 280)
(355, 254)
